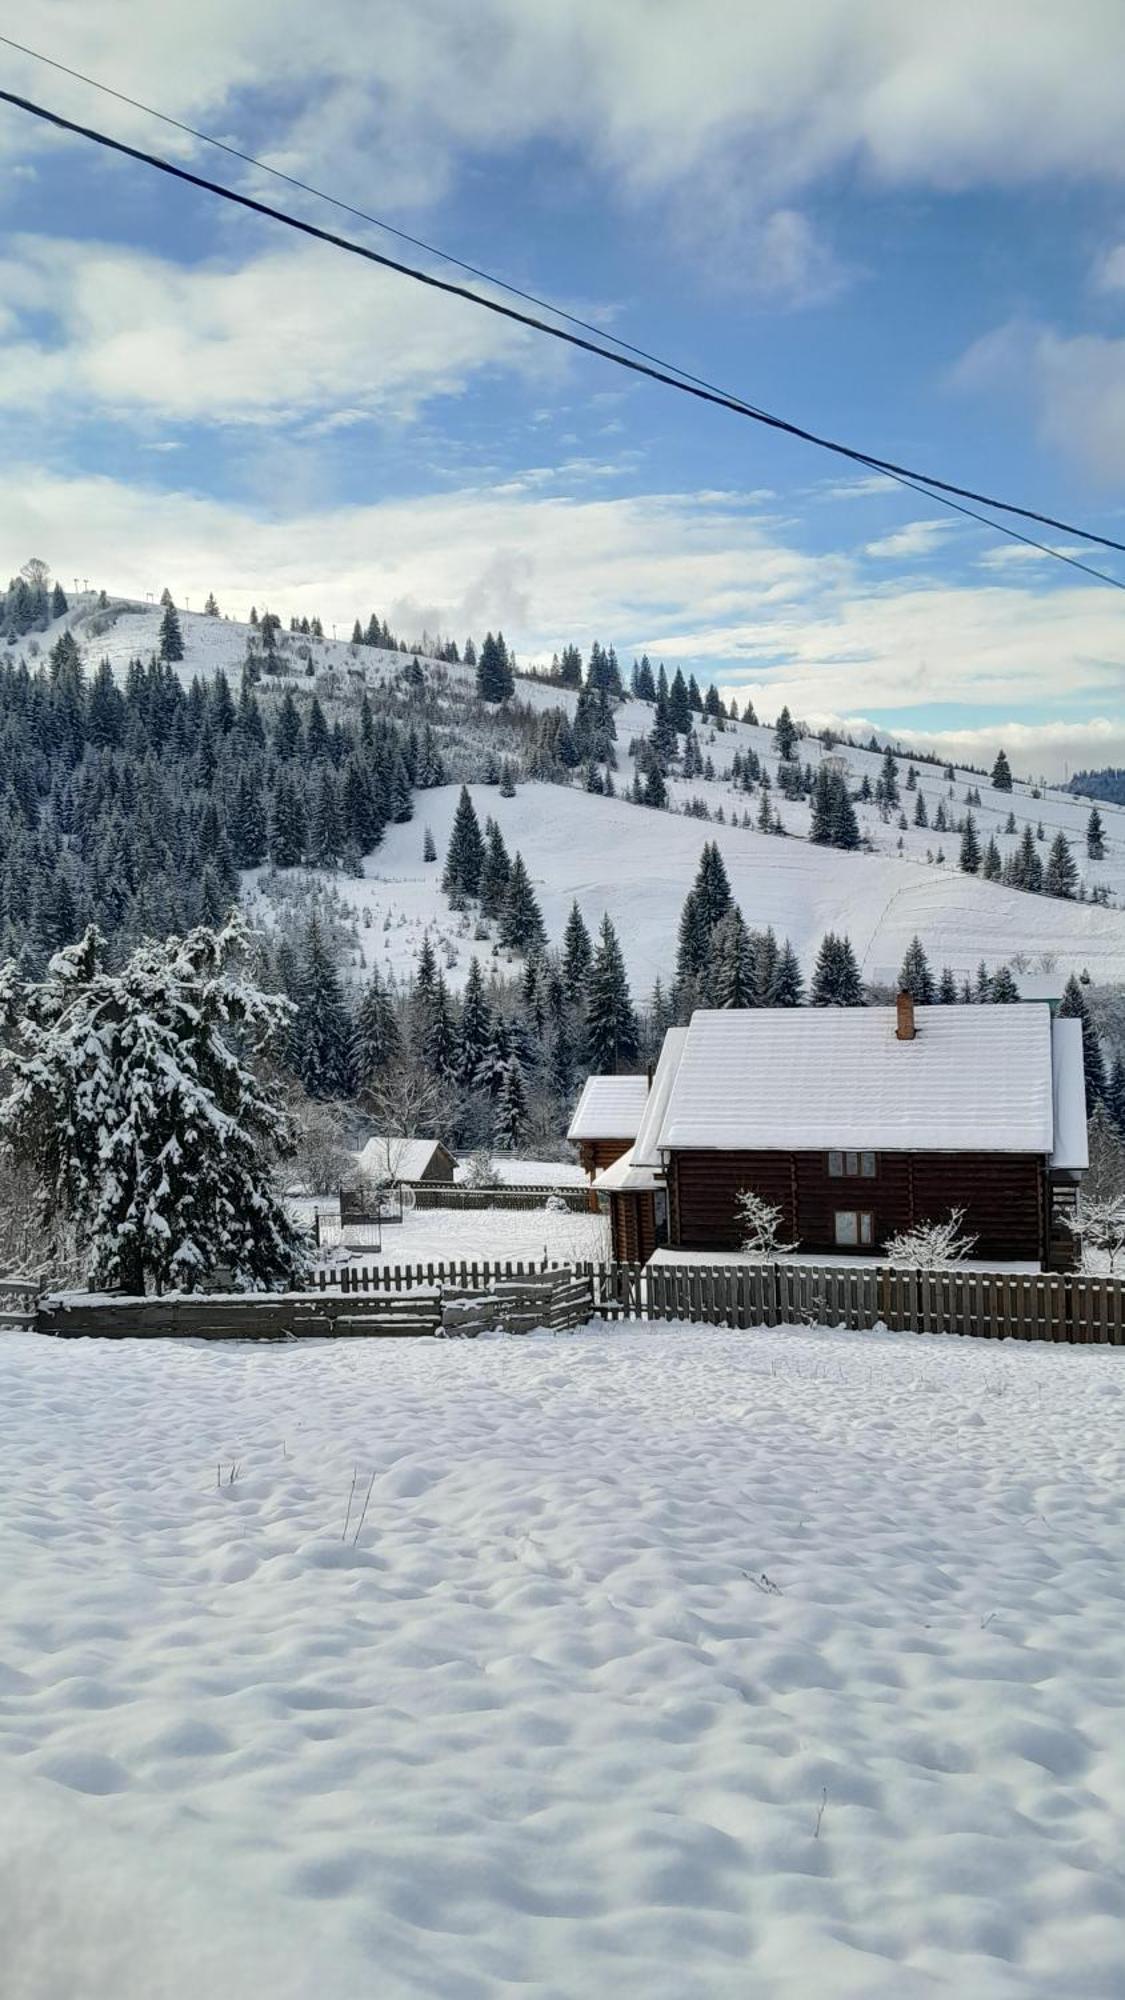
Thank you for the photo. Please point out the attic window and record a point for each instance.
(851, 1166)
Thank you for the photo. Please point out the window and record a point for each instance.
(851, 1166)
(855, 1228)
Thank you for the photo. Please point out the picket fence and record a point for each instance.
(993, 1305)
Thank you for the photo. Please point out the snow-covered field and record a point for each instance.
(495, 1235)
(673, 1664)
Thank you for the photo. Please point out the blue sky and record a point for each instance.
(910, 234)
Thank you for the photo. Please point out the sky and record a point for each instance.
(901, 225)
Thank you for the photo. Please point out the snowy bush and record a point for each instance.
(931, 1246)
(481, 1172)
(761, 1226)
(1101, 1225)
(132, 1105)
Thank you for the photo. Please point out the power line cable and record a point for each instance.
(919, 482)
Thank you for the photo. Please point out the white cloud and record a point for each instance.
(1109, 270)
(656, 94)
(916, 538)
(289, 333)
(1075, 385)
(688, 577)
(1050, 750)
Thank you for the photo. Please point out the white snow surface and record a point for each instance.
(610, 1107)
(490, 1235)
(637, 865)
(973, 1078)
(671, 1663)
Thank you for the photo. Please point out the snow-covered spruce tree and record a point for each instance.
(1073, 1007)
(760, 1221)
(321, 1039)
(930, 1246)
(465, 853)
(1060, 878)
(836, 980)
(578, 954)
(521, 921)
(970, 847)
(132, 1100)
(612, 1037)
(915, 976)
(1095, 836)
(1001, 773)
(171, 637)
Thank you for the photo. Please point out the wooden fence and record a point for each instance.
(994, 1305)
(451, 1194)
(472, 1296)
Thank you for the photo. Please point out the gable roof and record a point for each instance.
(388, 1158)
(646, 1145)
(610, 1107)
(974, 1079)
(1071, 1149)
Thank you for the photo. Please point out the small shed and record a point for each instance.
(388, 1158)
(607, 1119)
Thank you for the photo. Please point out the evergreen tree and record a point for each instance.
(921, 816)
(833, 822)
(465, 854)
(970, 847)
(171, 637)
(510, 1122)
(787, 988)
(133, 1107)
(679, 707)
(915, 977)
(992, 868)
(59, 605)
(1095, 836)
(611, 1024)
(785, 735)
(1001, 779)
(947, 987)
(475, 1029)
(836, 980)
(495, 872)
(429, 848)
(1002, 988)
(578, 955)
(1061, 874)
(1115, 1093)
(730, 971)
(495, 681)
(322, 1032)
(521, 923)
(376, 1039)
(1073, 1007)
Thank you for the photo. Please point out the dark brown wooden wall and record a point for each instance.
(596, 1154)
(1002, 1195)
(633, 1223)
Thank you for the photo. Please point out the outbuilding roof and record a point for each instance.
(610, 1107)
(399, 1159)
(973, 1079)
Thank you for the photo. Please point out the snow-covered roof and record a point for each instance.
(1071, 1152)
(626, 1177)
(809, 1078)
(610, 1107)
(398, 1159)
(646, 1146)
(1040, 985)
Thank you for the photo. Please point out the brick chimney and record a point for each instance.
(904, 1005)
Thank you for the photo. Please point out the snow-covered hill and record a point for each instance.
(638, 864)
